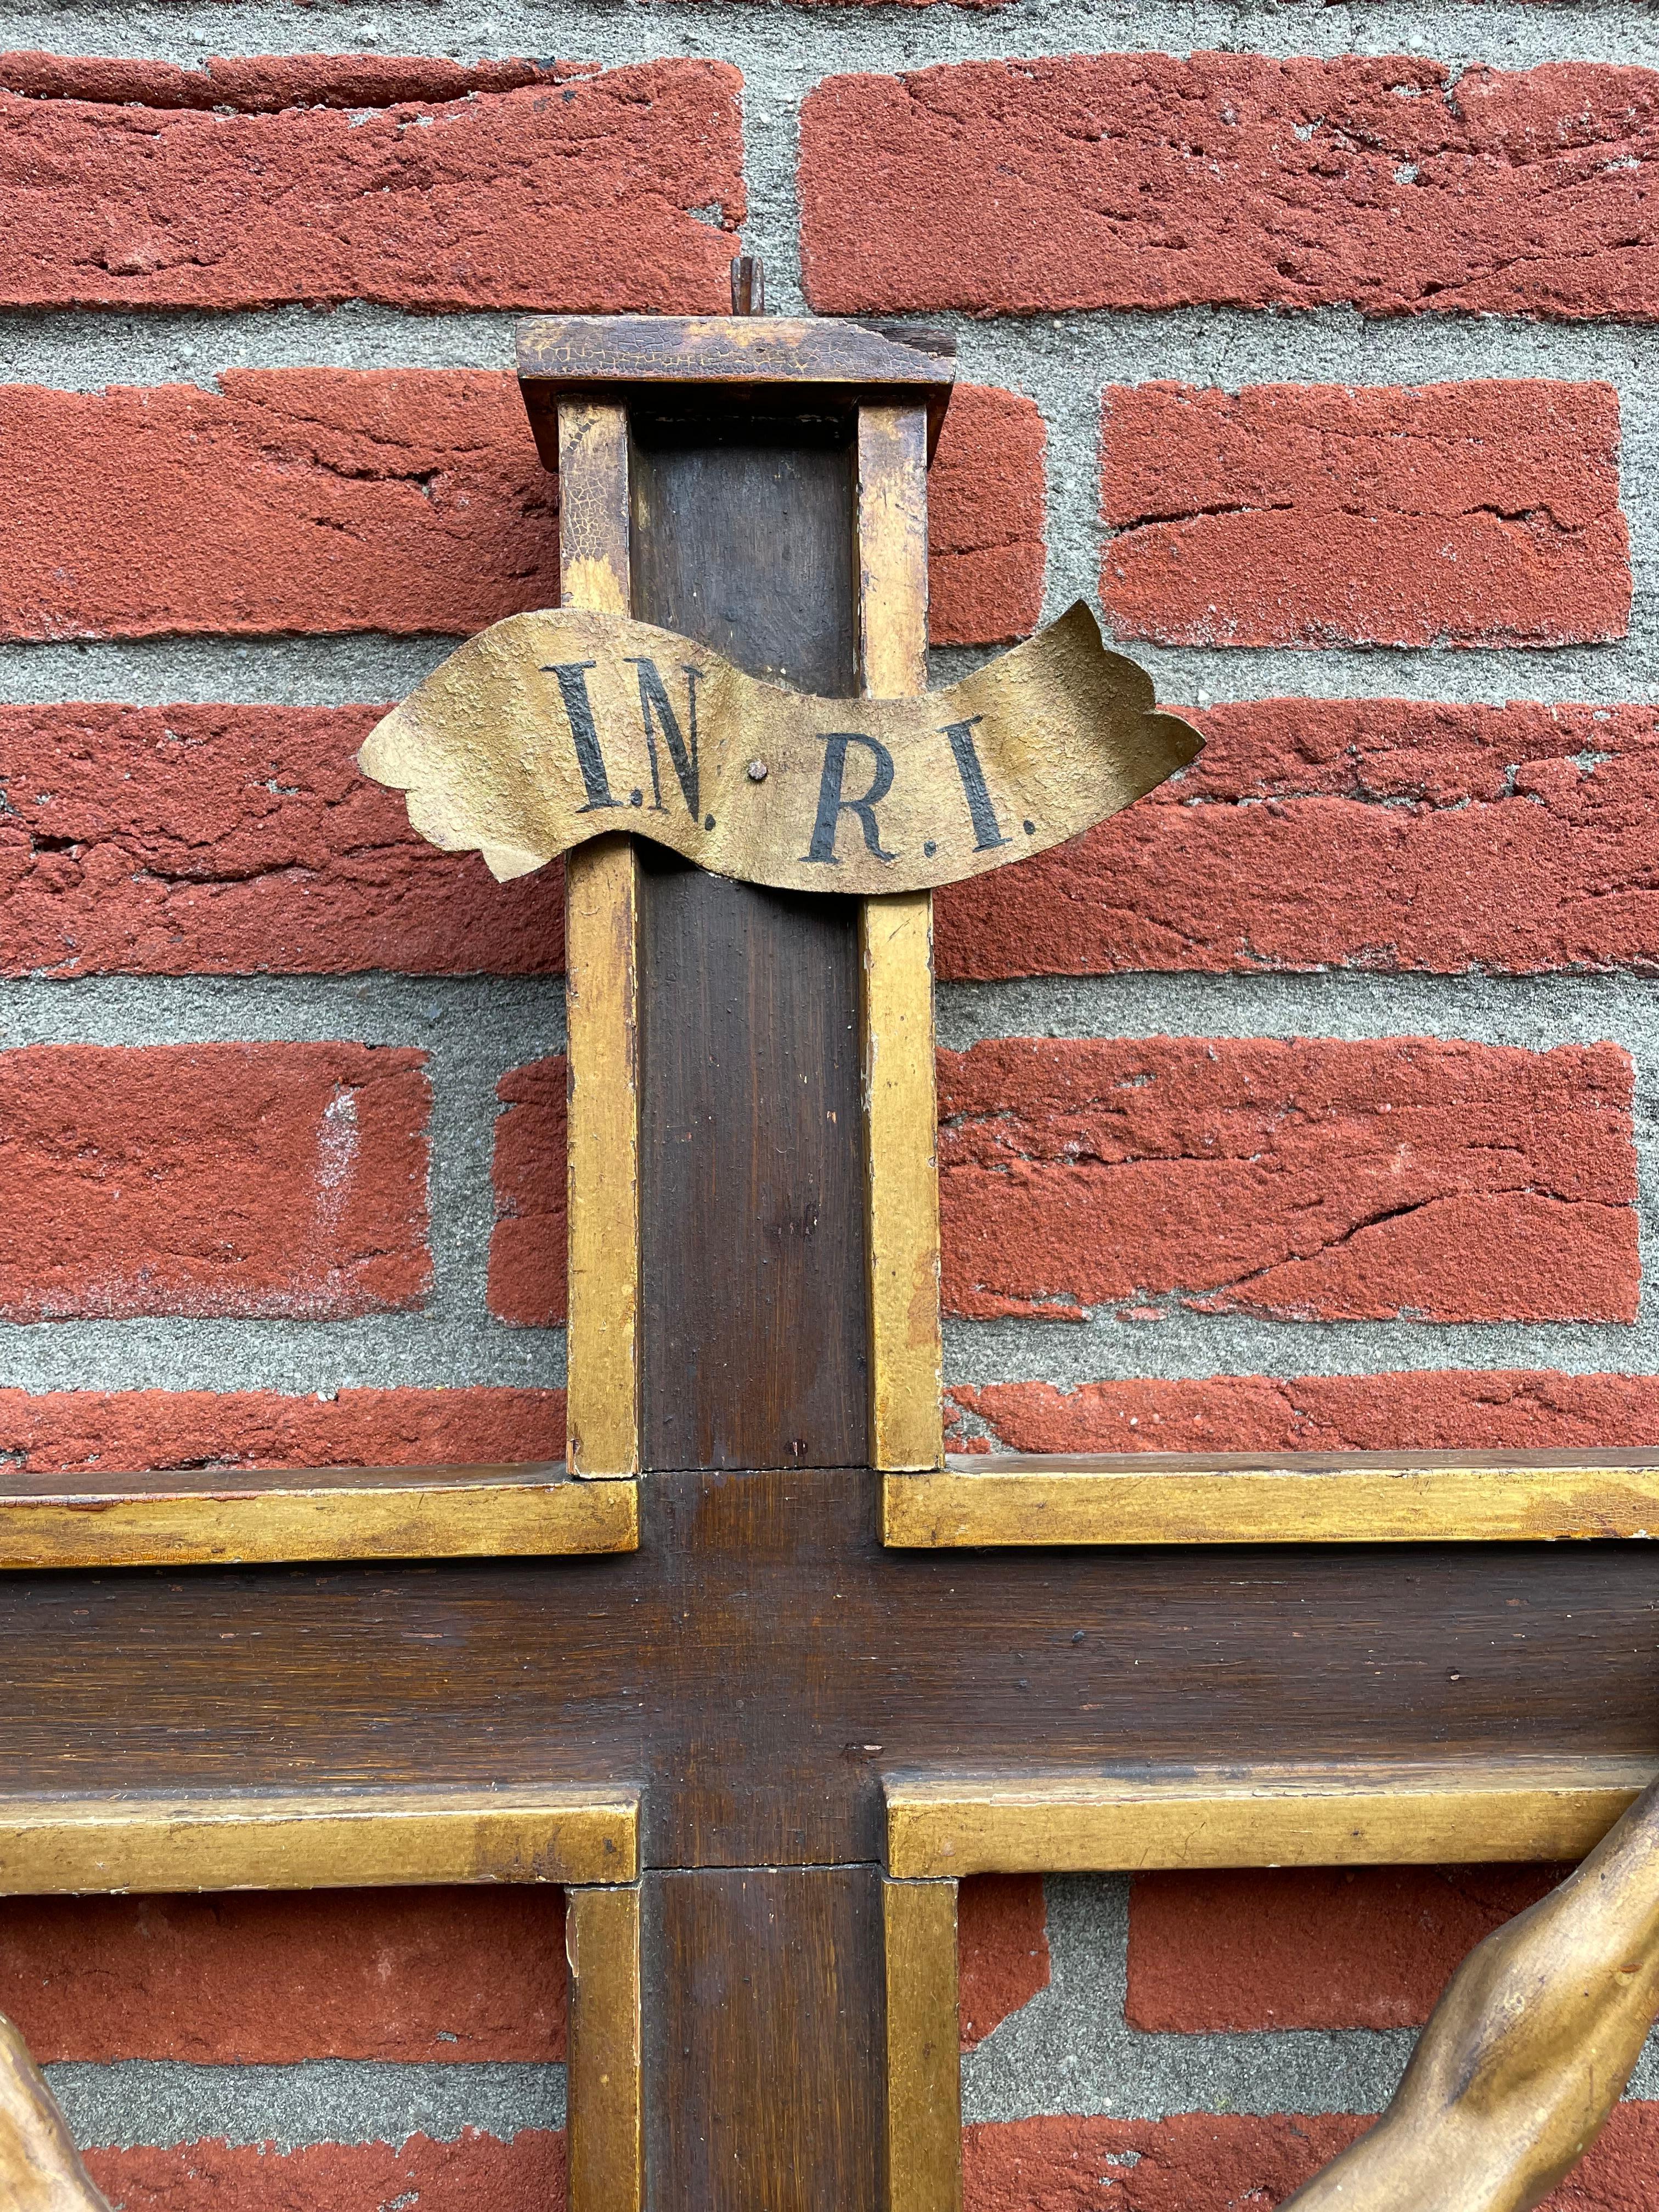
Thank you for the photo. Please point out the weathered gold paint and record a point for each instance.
(1064, 730)
(1398, 1814)
(601, 931)
(606, 2124)
(1527, 2051)
(434, 1513)
(1300, 1498)
(924, 2066)
(58, 1846)
(896, 948)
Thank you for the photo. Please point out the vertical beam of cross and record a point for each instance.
(754, 1293)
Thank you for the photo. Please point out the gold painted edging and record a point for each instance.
(606, 2123)
(923, 2137)
(1372, 1497)
(420, 1519)
(64, 1846)
(1393, 1816)
(896, 954)
(602, 901)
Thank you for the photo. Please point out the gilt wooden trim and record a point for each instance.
(602, 905)
(923, 2168)
(366, 1840)
(896, 941)
(606, 2128)
(1394, 1814)
(237, 1517)
(1373, 1498)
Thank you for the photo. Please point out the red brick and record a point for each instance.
(277, 1180)
(1367, 1946)
(1465, 1410)
(60, 1431)
(401, 500)
(599, 193)
(1158, 180)
(1368, 833)
(247, 1979)
(1196, 2162)
(1305, 1180)
(1479, 513)
(527, 1246)
(524, 2175)
(1193, 2163)
(237, 840)
(1002, 1950)
(985, 519)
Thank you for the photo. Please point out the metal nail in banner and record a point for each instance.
(549, 728)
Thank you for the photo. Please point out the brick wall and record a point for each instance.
(1309, 1104)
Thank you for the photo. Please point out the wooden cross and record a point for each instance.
(760, 1675)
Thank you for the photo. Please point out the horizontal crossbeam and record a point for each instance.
(253, 1518)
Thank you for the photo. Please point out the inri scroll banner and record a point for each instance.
(550, 728)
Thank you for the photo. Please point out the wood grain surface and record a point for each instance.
(766, 2045)
(729, 361)
(1166, 1497)
(754, 1350)
(764, 1697)
(762, 1660)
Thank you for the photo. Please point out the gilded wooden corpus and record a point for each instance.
(40, 2169)
(1527, 2051)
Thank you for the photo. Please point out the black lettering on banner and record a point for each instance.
(578, 712)
(657, 711)
(986, 830)
(832, 806)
